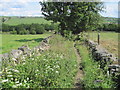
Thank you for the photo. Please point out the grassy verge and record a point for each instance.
(94, 77)
(55, 68)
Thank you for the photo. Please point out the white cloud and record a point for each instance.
(30, 8)
(111, 9)
(20, 8)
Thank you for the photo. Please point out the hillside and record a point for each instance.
(24, 20)
(110, 20)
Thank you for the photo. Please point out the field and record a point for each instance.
(108, 40)
(26, 20)
(10, 42)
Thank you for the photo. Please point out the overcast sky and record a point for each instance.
(32, 8)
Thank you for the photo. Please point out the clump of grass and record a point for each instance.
(94, 77)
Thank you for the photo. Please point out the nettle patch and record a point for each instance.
(47, 70)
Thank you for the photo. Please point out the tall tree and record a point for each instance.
(73, 16)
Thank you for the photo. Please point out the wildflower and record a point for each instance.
(4, 80)
(16, 71)
(57, 72)
(48, 67)
(27, 78)
(23, 63)
(37, 70)
(57, 66)
(25, 81)
(14, 86)
(32, 58)
(10, 75)
(17, 82)
(11, 78)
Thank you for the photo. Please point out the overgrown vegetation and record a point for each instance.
(94, 76)
(54, 68)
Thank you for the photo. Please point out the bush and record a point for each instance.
(13, 32)
(32, 32)
(40, 29)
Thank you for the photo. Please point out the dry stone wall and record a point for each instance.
(101, 54)
(24, 51)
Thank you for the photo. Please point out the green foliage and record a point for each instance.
(13, 32)
(94, 76)
(29, 29)
(74, 16)
(109, 27)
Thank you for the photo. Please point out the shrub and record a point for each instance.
(13, 32)
(40, 29)
(32, 32)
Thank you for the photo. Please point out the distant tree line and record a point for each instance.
(28, 28)
(109, 27)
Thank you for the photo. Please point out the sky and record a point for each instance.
(32, 8)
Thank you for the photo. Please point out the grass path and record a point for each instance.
(79, 75)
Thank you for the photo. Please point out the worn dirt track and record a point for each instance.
(79, 74)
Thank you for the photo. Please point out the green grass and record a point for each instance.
(10, 42)
(27, 20)
(108, 40)
(92, 71)
(55, 68)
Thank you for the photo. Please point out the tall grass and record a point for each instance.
(94, 77)
(55, 68)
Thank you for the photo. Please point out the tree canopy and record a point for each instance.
(73, 16)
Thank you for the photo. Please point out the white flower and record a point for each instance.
(32, 58)
(4, 80)
(17, 82)
(25, 81)
(10, 75)
(48, 67)
(61, 56)
(57, 66)
(57, 72)
(15, 70)
(23, 63)
(14, 86)
(27, 78)
(11, 78)
(37, 70)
